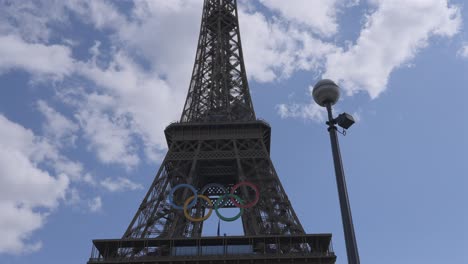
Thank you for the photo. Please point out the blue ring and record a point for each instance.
(171, 196)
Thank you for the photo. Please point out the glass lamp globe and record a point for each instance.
(326, 92)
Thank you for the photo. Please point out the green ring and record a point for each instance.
(223, 201)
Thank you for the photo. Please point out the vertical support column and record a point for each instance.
(348, 227)
(248, 223)
(179, 224)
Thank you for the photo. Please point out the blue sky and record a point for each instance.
(87, 89)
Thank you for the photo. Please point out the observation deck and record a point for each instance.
(310, 248)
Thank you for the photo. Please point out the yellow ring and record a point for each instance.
(189, 217)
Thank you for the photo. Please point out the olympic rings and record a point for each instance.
(200, 219)
(251, 185)
(171, 196)
(223, 201)
(220, 202)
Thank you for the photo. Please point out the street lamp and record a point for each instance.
(326, 93)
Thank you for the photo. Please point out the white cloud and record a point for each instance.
(139, 100)
(319, 15)
(392, 36)
(463, 51)
(95, 204)
(73, 197)
(25, 186)
(40, 59)
(111, 138)
(134, 100)
(132, 104)
(275, 49)
(310, 111)
(22, 177)
(59, 132)
(303, 111)
(16, 226)
(73, 169)
(102, 14)
(57, 126)
(81, 203)
(169, 49)
(119, 184)
(141, 103)
(88, 178)
(27, 19)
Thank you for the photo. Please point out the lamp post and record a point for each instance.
(326, 93)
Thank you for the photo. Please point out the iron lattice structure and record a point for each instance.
(218, 89)
(217, 143)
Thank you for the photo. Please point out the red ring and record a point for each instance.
(251, 185)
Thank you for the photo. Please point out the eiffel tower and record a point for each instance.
(218, 157)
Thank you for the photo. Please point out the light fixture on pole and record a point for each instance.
(326, 93)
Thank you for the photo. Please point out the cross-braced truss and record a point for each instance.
(218, 89)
